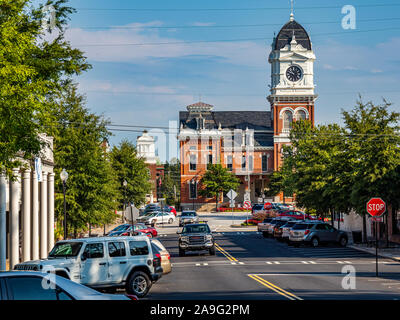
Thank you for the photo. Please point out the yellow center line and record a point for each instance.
(275, 288)
(224, 252)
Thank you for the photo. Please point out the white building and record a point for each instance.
(27, 210)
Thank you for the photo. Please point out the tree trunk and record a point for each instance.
(364, 231)
(332, 217)
(216, 202)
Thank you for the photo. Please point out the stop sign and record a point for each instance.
(376, 207)
(268, 206)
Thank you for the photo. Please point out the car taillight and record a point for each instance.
(306, 232)
(168, 257)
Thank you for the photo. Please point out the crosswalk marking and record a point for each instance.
(277, 262)
(233, 262)
(305, 262)
(241, 262)
(269, 262)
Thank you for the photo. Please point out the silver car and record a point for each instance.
(32, 285)
(300, 231)
(187, 217)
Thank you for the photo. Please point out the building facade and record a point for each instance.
(27, 210)
(249, 143)
(146, 149)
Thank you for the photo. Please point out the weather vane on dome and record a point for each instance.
(291, 10)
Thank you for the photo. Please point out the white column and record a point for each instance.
(14, 218)
(43, 217)
(50, 222)
(35, 216)
(3, 230)
(26, 221)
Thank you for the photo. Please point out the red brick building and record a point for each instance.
(249, 143)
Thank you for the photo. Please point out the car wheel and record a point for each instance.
(138, 284)
(343, 241)
(170, 221)
(315, 242)
(212, 251)
(181, 253)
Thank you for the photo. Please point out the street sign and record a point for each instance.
(247, 196)
(268, 206)
(231, 194)
(232, 203)
(376, 207)
(247, 205)
(377, 219)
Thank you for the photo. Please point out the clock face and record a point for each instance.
(293, 73)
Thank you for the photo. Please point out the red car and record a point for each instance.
(173, 210)
(296, 215)
(125, 229)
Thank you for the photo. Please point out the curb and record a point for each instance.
(379, 254)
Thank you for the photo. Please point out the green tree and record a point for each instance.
(31, 70)
(217, 180)
(128, 166)
(170, 187)
(91, 185)
(374, 152)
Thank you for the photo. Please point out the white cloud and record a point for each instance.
(240, 53)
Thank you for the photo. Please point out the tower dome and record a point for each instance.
(290, 30)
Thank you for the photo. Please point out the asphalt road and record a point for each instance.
(248, 266)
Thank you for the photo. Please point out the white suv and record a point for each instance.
(107, 262)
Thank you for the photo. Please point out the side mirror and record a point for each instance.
(178, 232)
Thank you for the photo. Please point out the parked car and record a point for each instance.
(286, 229)
(296, 214)
(28, 285)
(263, 226)
(187, 217)
(277, 230)
(164, 254)
(152, 207)
(257, 208)
(107, 262)
(157, 217)
(173, 210)
(315, 233)
(127, 230)
(195, 237)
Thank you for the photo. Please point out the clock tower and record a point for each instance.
(292, 83)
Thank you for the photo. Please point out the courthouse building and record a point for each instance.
(249, 143)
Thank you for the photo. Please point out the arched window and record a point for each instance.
(301, 115)
(287, 120)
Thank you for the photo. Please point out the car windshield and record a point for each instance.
(188, 214)
(66, 249)
(289, 224)
(198, 228)
(267, 220)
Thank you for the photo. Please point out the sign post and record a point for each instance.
(232, 195)
(247, 206)
(376, 207)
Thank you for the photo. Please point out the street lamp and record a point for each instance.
(125, 183)
(64, 177)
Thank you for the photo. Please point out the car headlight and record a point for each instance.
(185, 239)
(209, 237)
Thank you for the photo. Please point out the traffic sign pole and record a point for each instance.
(376, 207)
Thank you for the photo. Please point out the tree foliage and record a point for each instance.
(170, 187)
(217, 180)
(128, 166)
(91, 185)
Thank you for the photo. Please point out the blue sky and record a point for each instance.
(148, 85)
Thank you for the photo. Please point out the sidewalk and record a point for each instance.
(389, 253)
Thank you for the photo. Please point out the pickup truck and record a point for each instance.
(263, 226)
(103, 263)
(195, 237)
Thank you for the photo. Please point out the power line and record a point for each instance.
(225, 40)
(223, 26)
(232, 9)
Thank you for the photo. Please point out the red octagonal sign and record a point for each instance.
(268, 206)
(376, 207)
